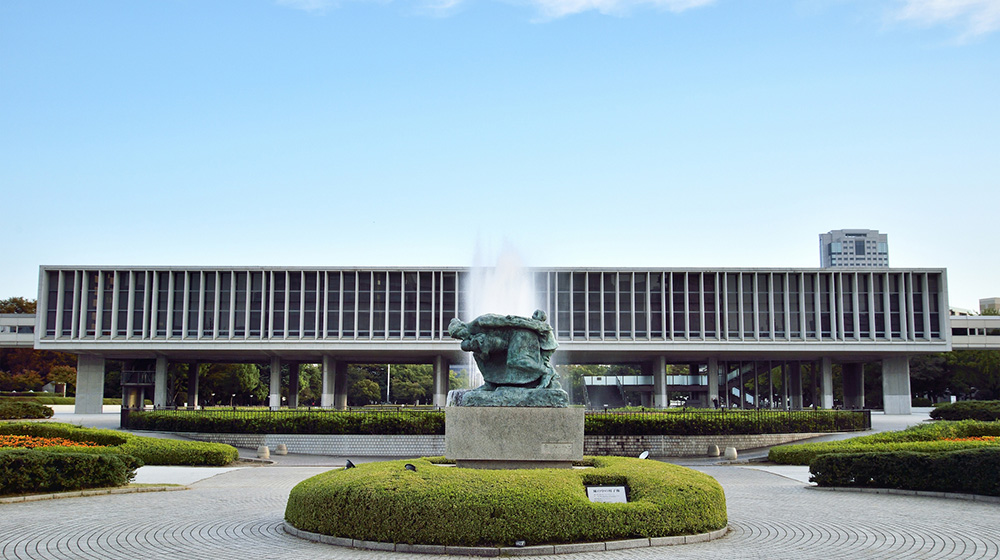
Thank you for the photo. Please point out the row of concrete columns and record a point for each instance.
(90, 384)
(895, 384)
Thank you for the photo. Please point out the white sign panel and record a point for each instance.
(607, 494)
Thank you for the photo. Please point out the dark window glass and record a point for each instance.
(208, 315)
(225, 303)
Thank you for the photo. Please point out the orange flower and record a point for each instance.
(987, 439)
(31, 442)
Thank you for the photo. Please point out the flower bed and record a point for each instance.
(32, 442)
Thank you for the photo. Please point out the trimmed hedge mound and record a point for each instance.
(470, 507)
(23, 410)
(34, 470)
(987, 411)
(151, 451)
(927, 438)
(972, 471)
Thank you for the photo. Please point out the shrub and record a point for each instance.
(713, 422)
(151, 451)
(432, 422)
(986, 411)
(927, 438)
(471, 507)
(34, 470)
(920, 401)
(21, 410)
(970, 470)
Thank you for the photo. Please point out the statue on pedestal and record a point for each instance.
(513, 354)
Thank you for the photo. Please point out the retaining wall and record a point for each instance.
(431, 446)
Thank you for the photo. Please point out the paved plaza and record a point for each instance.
(239, 514)
(229, 513)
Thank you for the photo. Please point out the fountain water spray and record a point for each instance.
(506, 288)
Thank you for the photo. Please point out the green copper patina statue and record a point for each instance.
(513, 355)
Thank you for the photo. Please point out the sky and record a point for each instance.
(611, 133)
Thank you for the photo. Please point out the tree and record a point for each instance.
(929, 375)
(975, 373)
(363, 391)
(17, 305)
(65, 375)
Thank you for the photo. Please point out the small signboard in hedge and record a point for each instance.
(607, 494)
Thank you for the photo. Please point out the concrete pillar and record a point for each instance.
(193, 384)
(329, 373)
(89, 384)
(440, 381)
(274, 391)
(660, 383)
(896, 385)
(826, 383)
(160, 380)
(340, 386)
(795, 385)
(334, 384)
(293, 384)
(854, 385)
(713, 382)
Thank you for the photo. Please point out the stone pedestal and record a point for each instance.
(513, 437)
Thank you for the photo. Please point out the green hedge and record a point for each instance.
(25, 471)
(151, 451)
(986, 411)
(971, 471)
(23, 410)
(50, 398)
(288, 422)
(432, 422)
(712, 422)
(471, 507)
(926, 438)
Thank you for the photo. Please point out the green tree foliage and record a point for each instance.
(412, 383)
(226, 380)
(929, 375)
(363, 391)
(63, 374)
(310, 384)
(27, 380)
(974, 373)
(17, 305)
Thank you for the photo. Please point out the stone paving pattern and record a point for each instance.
(239, 514)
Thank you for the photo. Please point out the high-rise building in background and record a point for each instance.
(854, 248)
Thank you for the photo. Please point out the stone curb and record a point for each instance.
(922, 493)
(95, 492)
(493, 551)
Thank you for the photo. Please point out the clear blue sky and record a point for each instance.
(667, 133)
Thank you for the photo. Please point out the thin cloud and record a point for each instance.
(977, 17)
(306, 5)
(560, 8)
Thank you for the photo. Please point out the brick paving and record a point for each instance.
(239, 514)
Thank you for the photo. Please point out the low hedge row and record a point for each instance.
(288, 422)
(927, 438)
(23, 410)
(469, 507)
(41, 470)
(712, 422)
(151, 451)
(432, 422)
(48, 398)
(986, 411)
(972, 471)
